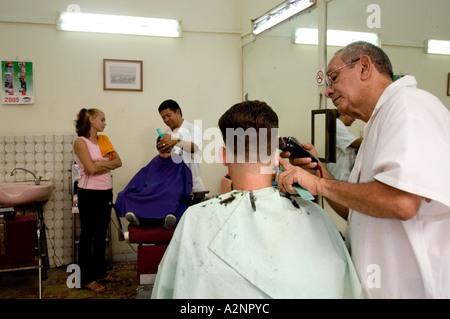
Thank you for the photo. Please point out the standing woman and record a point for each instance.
(96, 158)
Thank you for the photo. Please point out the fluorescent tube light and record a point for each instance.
(89, 22)
(334, 37)
(438, 47)
(277, 15)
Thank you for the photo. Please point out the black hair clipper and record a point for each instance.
(291, 145)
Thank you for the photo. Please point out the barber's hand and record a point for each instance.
(294, 174)
(166, 143)
(305, 162)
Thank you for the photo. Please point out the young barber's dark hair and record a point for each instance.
(255, 115)
(169, 104)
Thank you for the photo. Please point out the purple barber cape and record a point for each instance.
(158, 189)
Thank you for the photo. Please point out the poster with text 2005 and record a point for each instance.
(17, 82)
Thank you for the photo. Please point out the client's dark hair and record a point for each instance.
(249, 122)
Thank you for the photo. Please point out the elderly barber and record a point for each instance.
(397, 200)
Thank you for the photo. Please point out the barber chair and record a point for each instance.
(152, 244)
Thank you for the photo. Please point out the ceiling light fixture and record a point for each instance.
(89, 22)
(334, 37)
(277, 15)
(437, 47)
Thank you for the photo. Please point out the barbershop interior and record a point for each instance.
(213, 58)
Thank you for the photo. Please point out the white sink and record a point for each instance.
(23, 193)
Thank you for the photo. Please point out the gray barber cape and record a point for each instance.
(228, 248)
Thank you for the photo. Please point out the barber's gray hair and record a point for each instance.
(379, 58)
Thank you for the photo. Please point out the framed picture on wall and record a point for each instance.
(448, 85)
(122, 75)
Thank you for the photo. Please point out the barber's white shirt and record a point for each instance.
(191, 133)
(407, 146)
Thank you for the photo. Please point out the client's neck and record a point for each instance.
(250, 177)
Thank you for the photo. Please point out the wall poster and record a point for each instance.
(17, 82)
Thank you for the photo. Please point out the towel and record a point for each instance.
(105, 146)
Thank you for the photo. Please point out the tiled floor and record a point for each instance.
(24, 284)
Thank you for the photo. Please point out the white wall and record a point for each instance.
(201, 70)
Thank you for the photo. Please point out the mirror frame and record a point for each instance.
(330, 133)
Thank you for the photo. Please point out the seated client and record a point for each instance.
(255, 242)
(158, 194)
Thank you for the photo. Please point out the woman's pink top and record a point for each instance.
(93, 181)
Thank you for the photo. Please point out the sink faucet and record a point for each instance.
(37, 180)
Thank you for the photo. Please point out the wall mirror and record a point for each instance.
(282, 73)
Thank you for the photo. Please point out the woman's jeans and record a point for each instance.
(95, 213)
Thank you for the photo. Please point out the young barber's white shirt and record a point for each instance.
(191, 133)
(407, 146)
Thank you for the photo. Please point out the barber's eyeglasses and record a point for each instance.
(329, 80)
